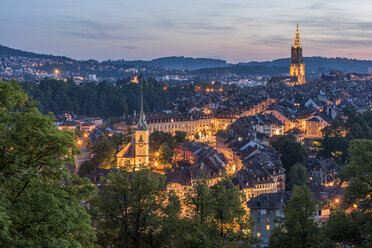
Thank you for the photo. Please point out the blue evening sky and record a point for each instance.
(235, 30)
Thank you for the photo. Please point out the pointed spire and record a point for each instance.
(142, 123)
(297, 42)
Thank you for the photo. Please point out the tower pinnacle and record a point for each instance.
(297, 42)
(142, 123)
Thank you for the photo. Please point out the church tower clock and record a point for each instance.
(142, 138)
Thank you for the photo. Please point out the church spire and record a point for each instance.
(297, 42)
(142, 123)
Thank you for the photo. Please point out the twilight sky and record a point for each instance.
(235, 30)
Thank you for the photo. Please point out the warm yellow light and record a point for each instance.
(157, 154)
(337, 201)
(355, 205)
(165, 88)
(156, 163)
(56, 71)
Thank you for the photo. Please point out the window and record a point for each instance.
(263, 211)
(268, 227)
(258, 235)
(267, 219)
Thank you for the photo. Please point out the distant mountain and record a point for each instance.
(179, 63)
(258, 69)
(7, 51)
(207, 65)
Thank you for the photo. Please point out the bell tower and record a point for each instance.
(297, 67)
(142, 137)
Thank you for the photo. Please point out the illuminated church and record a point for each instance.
(297, 67)
(137, 151)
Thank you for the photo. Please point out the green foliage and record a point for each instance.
(298, 228)
(360, 171)
(297, 175)
(131, 210)
(165, 154)
(292, 151)
(104, 99)
(40, 203)
(158, 138)
(164, 143)
(104, 150)
(354, 229)
(180, 137)
(349, 230)
(217, 216)
(336, 139)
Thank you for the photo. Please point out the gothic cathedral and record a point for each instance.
(297, 68)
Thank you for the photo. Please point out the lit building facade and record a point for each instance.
(297, 67)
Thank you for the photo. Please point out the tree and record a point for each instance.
(180, 137)
(342, 130)
(131, 210)
(297, 175)
(354, 229)
(229, 214)
(40, 203)
(165, 154)
(348, 230)
(104, 150)
(158, 138)
(359, 170)
(217, 216)
(104, 99)
(292, 151)
(298, 227)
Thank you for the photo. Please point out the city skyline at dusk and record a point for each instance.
(237, 31)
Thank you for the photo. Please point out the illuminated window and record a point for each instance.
(268, 227)
(267, 219)
(258, 235)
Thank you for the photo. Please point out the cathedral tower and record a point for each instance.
(297, 68)
(142, 138)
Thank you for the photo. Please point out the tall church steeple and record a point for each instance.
(142, 123)
(142, 136)
(297, 68)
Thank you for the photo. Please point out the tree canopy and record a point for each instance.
(298, 228)
(351, 125)
(40, 203)
(292, 151)
(354, 229)
(103, 99)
